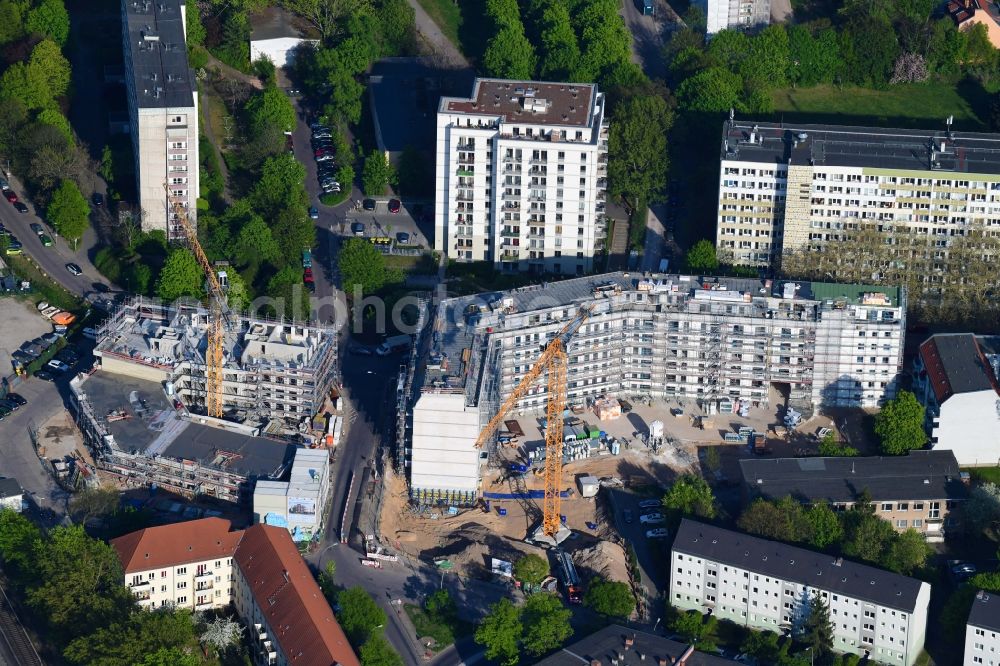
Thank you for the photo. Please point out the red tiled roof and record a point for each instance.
(287, 594)
(173, 545)
(955, 363)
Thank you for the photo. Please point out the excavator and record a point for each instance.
(553, 360)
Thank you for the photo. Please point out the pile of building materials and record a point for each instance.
(607, 409)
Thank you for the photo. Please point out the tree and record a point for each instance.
(560, 50)
(824, 526)
(17, 540)
(441, 606)
(546, 623)
(396, 27)
(701, 258)
(610, 598)
(254, 242)
(500, 631)
(867, 536)
(762, 646)
(51, 66)
(900, 425)
(51, 19)
(270, 109)
(376, 651)
(237, 295)
(690, 495)
(714, 90)
(327, 15)
(812, 60)
(195, 29)
(166, 633)
(531, 569)
(361, 264)
(831, 447)
(816, 630)
(690, 625)
(906, 553)
(767, 61)
(377, 174)
(359, 615)
(280, 187)
(784, 520)
(11, 21)
(181, 276)
(637, 149)
(93, 502)
(982, 510)
(869, 49)
(509, 55)
(170, 657)
(68, 211)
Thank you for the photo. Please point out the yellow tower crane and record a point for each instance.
(215, 339)
(553, 360)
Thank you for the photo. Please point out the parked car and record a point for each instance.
(57, 366)
(20, 207)
(46, 240)
(9, 195)
(368, 204)
(13, 245)
(360, 350)
(658, 533)
(403, 238)
(97, 198)
(45, 376)
(627, 515)
(16, 397)
(821, 433)
(394, 205)
(74, 269)
(323, 150)
(357, 228)
(313, 213)
(961, 571)
(652, 519)
(9, 405)
(325, 157)
(3, 413)
(650, 504)
(37, 228)
(329, 188)
(4, 185)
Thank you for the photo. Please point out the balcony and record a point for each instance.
(468, 159)
(536, 197)
(510, 256)
(203, 575)
(464, 197)
(203, 605)
(512, 205)
(464, 171)
(511, 196)
(510, 233)
(510, 159)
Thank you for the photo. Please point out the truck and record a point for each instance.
(569, 576)
(393, 344)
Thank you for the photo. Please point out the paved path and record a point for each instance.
(436, 40)
(232, 72)
(647, 38)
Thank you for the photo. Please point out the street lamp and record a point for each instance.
(812, 656)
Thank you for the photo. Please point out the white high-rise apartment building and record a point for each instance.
(767, 585)
(982, 631)
(163, 112)
(734, 14)
(784, 188)
(521, 176)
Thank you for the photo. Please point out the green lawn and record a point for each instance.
(907, 105)
(444, 634)
(985, 474)
(447, 15)
(463, 22)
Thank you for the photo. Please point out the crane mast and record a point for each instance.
(553, 360)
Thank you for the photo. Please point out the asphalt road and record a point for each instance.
(647, 38)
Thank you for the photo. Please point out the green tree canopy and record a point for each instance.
(254, 242)
(500, 632)
(784, 520)
(546, 623)
(509, 55)
(68, 211)
(181, 276)
(982, 510)
(531, 569)
(195, 28)
(49, 18)
(713, 90)
(690, 495)
(359, 615)
(900, 425)
(610, 598)
(812, 59)
(816, 630)
(52, 67)
(11, 21)
(701, 258)
(560, 50)
(377, 174)
(637, 149)
(824, 526)
(128, 642)
(906, 553)
(280, 187)
(55, 118)
(361, 264)
(270, 110)
(376, 651)
(17, 542)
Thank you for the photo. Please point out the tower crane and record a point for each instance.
(553, 360)
(219, 313)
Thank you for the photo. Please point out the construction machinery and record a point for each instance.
(219, 314)
(553, 360)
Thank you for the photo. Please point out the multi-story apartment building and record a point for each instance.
(188, 565)
(768, 585)
(982, 631)
(916, 491)
(300, 503)
(521, 175)
(666, 336)
(734, 14)
(203, 565)
(956, 379)
(784, 188)
(163, 111)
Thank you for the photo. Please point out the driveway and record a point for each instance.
(647, 37)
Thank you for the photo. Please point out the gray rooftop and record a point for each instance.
(798, 565)
(275, 22)
(158, 52)
(849, 146)
(10, 488)
(605, 645)
(985, 612)
(954, 363)
(921, 475)
(154, 427)
(533, 102)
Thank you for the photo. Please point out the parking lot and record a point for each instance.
(381, 223)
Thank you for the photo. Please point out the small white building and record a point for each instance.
(956, 380)
(11, 495)
(298, 504)
(734, 14)
(444, 460)
(276, 33)
(982, 631)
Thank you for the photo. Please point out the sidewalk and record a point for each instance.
(436, 40)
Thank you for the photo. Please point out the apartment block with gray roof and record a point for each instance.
(163, 112)
(915, 491)
(768, 585)
(789, 187)
(982, 631)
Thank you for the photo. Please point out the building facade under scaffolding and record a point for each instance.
(663, 336)
(277, 373)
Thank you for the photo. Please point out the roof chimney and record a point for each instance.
(687, 654)
(629, 641)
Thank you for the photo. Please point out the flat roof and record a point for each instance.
(157, 47)
(985, 611)
(154, 427)
(921, 475)
(611, 645)
(275, 23)
(10, 488)
(538, 102)
(798, 565)
(853, 146)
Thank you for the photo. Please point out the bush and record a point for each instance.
(197, 57)
(334, 198)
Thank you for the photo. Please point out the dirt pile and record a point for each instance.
(604, 559)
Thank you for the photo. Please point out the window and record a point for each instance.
(901, 524)
(182, 600)
(887, 506)
(904, 506)
(181, 571)
(918, 506)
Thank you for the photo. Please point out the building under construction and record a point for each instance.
(662, 336)
(276, 373)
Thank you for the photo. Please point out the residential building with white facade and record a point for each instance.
(734, 14)
(299, 504)
(784, 188)
(982, 631)
(956, 379)
(11, 495)
(666, 336)
(767, 585)
(521, 176)
(163, 112)
(202, 565)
